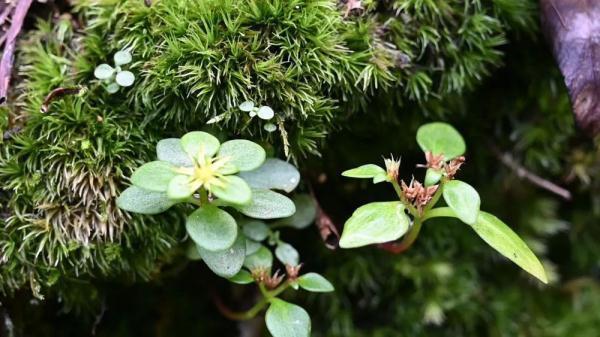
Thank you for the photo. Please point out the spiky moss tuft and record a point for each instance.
(60, 176)
(200, 59)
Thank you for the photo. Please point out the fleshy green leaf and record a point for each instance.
(193, 141)
(262, 258)
(104, 71)
(191, 252)
(228, 262)
(212, 228)
(376, 222)
(125, 78)
(287, 254)
(315, 283)
(267, 204)
(265, 112)
(432, 176)
(287, 320)
(138, 200)
(247, 106)
(270, 127)
(500, 237)
(154, 176)
(235, 190)
(122, 57)
(243, 154)
(170, 150)
(463, 199)
(441, 138)
(255, 230)
(273, 174)
(370, 171)
(243, 277)
(252, 246)
(112, 88)
(180, 188)
(306, 211)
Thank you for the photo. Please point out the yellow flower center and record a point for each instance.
(206, 171)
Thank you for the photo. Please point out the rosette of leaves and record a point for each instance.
(385, 222)
(232, 184)
(115, 77)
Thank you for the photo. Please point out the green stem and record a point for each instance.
(203, 196)
(440, 212)
(435, 198)
(268, 296)
(411, 236)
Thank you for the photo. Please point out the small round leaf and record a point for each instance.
(104, 71)
(138, 200)
(122, 57)
(243, 154)
(180, 188)
(287, 254)
(315, 283)
(441, 138)
(234, 190)
(287, 320)
(247, 106)
(306, 211)
(154, 176)
(267, 204)
(170, 150)
(125, 78)
(256, 230)
(265, 112)
(112, 88)
(365, 171)
(262, 258)
(376, 222)
(463, 199)
(273, 174)
(432, 176)
(242, 277)
(228, 262)
(270, 127)
(193, 141)
(212, 228)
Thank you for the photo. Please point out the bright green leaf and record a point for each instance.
(138, 200)
(170, 150)
(255, 230)
(193, 141)
(315, 283)
(180, 188)
(432, 176)
(306, 211)
(463, 199)
(273, 174)
(267, 204)
(500, 237)
(287, 320)
(441, 138)
(262, 258)
(242, 277)
(154, 176)
(243, 154)
(235, 190)
(212, 228)
(287, 254)
(366, 171)
(376, 222)
(228, 262)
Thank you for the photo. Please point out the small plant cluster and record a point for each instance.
(381, 222)
(115, 77)
(231, 184)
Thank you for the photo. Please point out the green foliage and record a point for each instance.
(387, 221)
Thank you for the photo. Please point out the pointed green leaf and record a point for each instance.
(193, 141)
(315, 283)
(122, 57)
(273, 174)
(243, 277)
(235, 190)
(255, 230)
(267, 204)
(287, 254)
(463, 199)
(432, 177)
(441, 138)
(180, 188)
(154, 176)
(243, 154)
(170, 150)
(125, 78)
(212, 228)
(376, 222)
(262, 258)
(287, 320)
(138, 200)
(306, 211)
(366, 171)
(500, 237)
(104, 71)
(228, 262)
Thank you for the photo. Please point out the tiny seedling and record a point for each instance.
(263, 112)
(381, 222)
(115, 77)
(236, 218)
